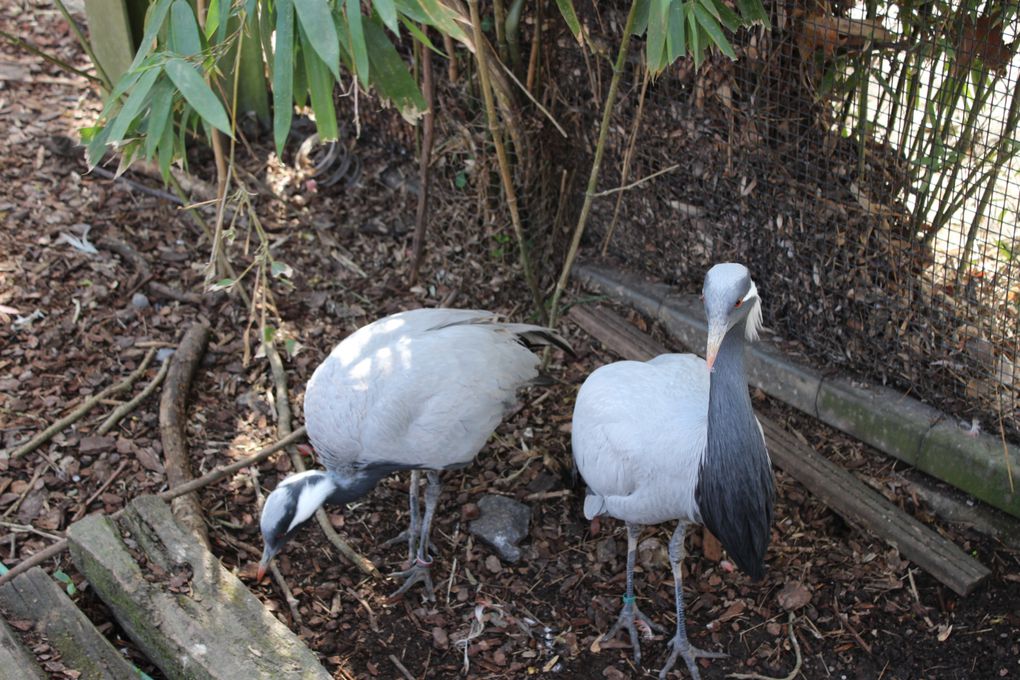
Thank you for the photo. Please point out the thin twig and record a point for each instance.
(400, 667)
(627, 157)
(28, 47)
(428, 124)
(635, 183)
(504, 163)
(188, 487)
(372, 623)
(796, 669)
(95, 494)
(292, 602)
(118, 413)
(534, 101)
(28, 529)
(593, 178)
(76, 415)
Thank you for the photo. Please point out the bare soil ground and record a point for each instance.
(858, 609)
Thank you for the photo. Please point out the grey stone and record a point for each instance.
(502, 524)
(139, 301)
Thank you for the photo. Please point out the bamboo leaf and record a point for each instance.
(655, 43)
(641, 16)
(358, 47)
(165, 152)
(212, 18)
(390, 75)
(412, 9)
(420, 36)
(388, 13)
(97, 147)
(283, 73)
(694, 35)
(319, 31)
(726, 16)
(320, 85)
(154, 18)
(441, 17)
(714, 31)
(197, 93)
(753, 12)
(159, 113)
(676, 38)
(184, 36)
(132, 106)
(566, 8)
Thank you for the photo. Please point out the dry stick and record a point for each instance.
(638, 182)
(451, 58)
(625, 170)
(420, 221)
(796, 669)
(169, 495)
(600, 148)
(118, 413)
(283, 417)
(504, 163)
(172, 408)
(274, 570)
(400, 667)
(84, 507)
(75, 415)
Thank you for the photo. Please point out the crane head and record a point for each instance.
(730, 297)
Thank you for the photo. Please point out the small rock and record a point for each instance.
(652, 554)
(794, 595)
(139, 301)
(493, 565)
(439, 638)
(773, 629)
(502, 523)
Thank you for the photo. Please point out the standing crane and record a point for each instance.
(418, 390)
(675, 438)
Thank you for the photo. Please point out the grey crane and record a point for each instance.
(418, 390)
(675, 438)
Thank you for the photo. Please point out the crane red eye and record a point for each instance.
(739, 302)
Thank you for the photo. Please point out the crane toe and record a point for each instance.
(418, 572)
(630, 616)
(683, 649)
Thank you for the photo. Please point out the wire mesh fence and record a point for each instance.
(862, 158)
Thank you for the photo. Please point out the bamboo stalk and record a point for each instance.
(499, 18)
(593, 178)
(1011, 121)
(504, 163)
(421, 213)
(627, 158)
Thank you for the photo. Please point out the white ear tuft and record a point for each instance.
(754, 315)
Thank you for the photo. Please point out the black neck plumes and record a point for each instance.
(735, 488)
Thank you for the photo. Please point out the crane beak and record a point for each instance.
(267, 555)
(715, 338)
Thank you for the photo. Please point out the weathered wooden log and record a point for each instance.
(839, 489)
(35, 597)
(16, 662)
(189, 615)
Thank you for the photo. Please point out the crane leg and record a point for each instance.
(630, 612)
(420, 569)
(679, 645)
(411, 533)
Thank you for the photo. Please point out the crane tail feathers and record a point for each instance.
(536, 336)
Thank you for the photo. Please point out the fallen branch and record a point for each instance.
(283, 427)
(78, 413)
(118, 413)
(172, 408)
(169, 495)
